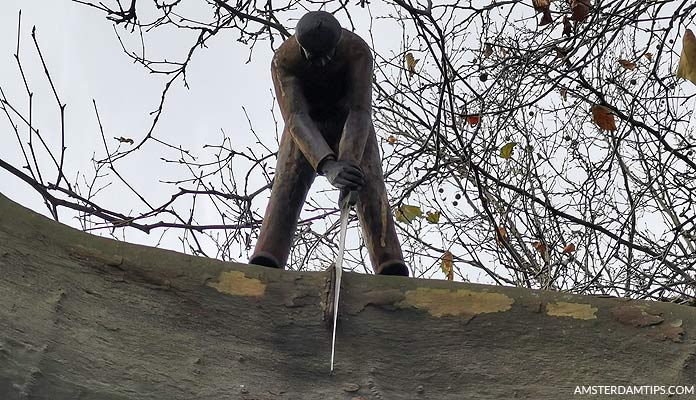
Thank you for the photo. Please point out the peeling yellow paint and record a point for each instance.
(440, 302)
(237, 284)
(572, 310)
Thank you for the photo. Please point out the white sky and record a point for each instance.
(86, 62)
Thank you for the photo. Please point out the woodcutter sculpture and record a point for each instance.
(323, 82)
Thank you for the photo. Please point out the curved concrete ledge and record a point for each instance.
(83, 317)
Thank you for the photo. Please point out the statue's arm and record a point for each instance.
(294, 109)
(359, 122)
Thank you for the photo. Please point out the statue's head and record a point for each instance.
(318, 33)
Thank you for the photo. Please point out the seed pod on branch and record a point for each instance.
(580, 9)
(543, 6)
(567, 26)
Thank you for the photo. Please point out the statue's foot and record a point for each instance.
(394, 267)
(264, 259)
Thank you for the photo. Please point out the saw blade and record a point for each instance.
(345, 213)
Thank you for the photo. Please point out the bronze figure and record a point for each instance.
(323, 81)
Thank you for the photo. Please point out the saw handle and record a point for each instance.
(347, 199)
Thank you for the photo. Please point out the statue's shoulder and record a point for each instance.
(354, 44)
(288, 55)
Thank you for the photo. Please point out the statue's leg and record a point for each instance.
(293, 177)
(376, 216)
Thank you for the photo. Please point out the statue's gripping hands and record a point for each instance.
(323, 81)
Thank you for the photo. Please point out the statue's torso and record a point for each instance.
(326, 89)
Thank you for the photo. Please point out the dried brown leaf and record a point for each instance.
(569, 248)
(580, 9)
(502, 235)
(687, 61)
(124, 140)
(411, 64)
(540, 5)
(540, 247)
(627, 64)
(603, 117)
(546, 18)
(487, 50)
(472, 120)
(448, 265)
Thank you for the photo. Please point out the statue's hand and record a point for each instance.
(343, 174)
(347, 197)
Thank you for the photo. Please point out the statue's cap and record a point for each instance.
(318, 32)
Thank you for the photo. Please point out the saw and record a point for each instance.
(345, 204)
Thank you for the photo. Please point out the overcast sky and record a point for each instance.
(86, 62)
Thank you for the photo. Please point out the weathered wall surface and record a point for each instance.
(83, 317)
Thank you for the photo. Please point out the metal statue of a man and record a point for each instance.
(323, 81)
